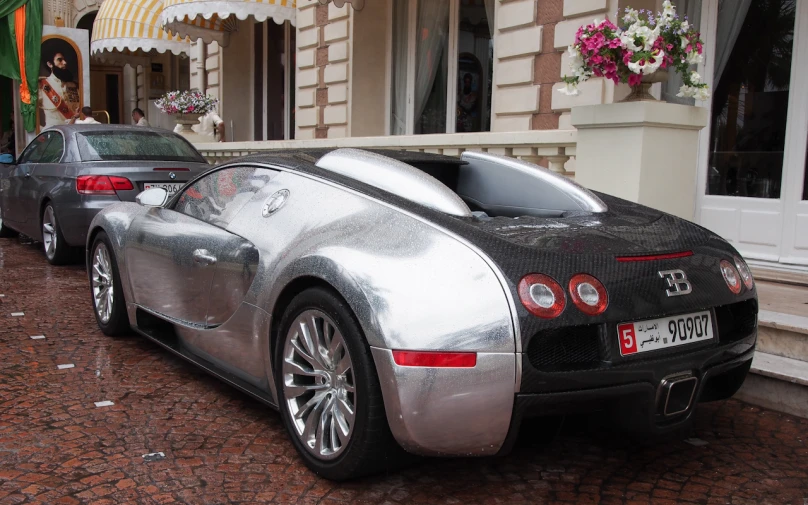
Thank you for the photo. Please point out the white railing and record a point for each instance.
(550, 148)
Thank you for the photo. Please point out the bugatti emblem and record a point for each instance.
(172, 175)
(678, 284)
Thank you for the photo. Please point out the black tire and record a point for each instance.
(371, 447)
(118, 321)
(61, 253)
(5, 231)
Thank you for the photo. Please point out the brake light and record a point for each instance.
(102, 184)
(652, 257)
(435, 359)
(731, 276)
(542, 295)
(588, 294)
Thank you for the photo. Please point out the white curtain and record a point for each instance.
(398, 116)
(431, 44)
(731, 16)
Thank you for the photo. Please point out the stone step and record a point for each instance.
(784, 335)
(777, 383)
(783, 274)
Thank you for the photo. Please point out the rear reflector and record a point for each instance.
(652, 257)
(435, 359)
(171, 169)
(102, 184)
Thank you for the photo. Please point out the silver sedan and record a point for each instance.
(69, 173)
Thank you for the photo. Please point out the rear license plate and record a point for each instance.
(664, 333)
(171, 187)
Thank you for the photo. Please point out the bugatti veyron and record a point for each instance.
(393, 301)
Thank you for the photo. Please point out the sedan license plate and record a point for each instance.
(171, 187)
(665, 332)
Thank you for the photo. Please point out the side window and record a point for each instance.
(36, 148)
(53, 151)
(217, 197)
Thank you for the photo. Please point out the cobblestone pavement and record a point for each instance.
(220, 446)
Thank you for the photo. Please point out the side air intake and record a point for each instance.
(395, 177)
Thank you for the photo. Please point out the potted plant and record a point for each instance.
(186, 107)
(639, 52)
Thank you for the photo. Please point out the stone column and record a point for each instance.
(323, 73)
(130, 92)
(645, 152)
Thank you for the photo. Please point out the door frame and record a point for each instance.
(787, 205)
(111, 69)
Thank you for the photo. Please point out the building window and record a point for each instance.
(273, 81)
(442, 58)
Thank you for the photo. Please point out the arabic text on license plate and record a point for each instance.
(663, 333)
(171, 187)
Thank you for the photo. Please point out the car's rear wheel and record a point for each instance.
(5, 231)
(56, 249)
(329, 394)
(105, 286)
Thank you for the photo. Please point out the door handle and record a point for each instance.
(27, 174)
(204, 257)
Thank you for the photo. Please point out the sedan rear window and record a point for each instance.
(135, 145)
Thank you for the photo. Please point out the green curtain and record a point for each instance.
(9, 63)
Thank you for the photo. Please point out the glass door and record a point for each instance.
(746, 149)
(795, 191)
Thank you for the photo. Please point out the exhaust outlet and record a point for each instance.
(677, 394)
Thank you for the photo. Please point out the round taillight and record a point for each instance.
(731, 276)
(746, 275)
(588, 294)
(542, 295)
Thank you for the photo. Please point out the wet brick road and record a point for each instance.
(220, 446)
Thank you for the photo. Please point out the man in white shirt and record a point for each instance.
(138, 117)
(85, 116)
(210, 125)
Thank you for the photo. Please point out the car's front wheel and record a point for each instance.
(56, 249)
(329, 394)
(105, 287)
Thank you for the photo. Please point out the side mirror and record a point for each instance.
(6, 159)
(153, 197)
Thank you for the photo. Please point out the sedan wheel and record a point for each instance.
(56, 250)
(105, 288)
(328, 390)
(318, 384)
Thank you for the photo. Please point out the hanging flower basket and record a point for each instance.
(639, 52)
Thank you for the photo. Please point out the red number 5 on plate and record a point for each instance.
(628, 340)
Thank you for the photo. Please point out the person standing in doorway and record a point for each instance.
(138, 117)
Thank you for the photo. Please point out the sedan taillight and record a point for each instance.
(102, 184)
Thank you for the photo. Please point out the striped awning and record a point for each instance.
(213, 20)
(132, 27)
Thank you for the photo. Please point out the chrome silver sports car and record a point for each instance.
(388, 300)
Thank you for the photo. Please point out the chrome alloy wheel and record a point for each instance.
(103, 289)
(318, 384)
(49, 232)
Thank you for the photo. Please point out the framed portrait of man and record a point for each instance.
(62, 87)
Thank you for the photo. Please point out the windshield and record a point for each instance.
(135, 145)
